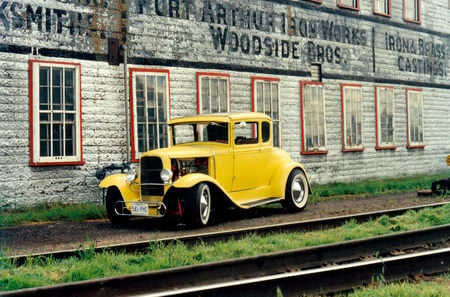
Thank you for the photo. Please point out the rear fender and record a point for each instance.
(281, 175)
(129, 191)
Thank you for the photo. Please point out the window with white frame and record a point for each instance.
(352, 4)
(313, 117)
(385, 117)
(266, 100)
(150, 99)
(56, 113)
(352, 117)
(411, 10)
(382, 7)
(415, 117)
(213, 93)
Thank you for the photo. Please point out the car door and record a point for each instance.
(251, 157)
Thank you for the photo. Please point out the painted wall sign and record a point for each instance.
(265, 30)
(81, 21)
(418, 55)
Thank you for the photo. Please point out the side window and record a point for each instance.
(212, 93)
(414, 105)
(313, 118)
(55, 127)
(265, 131)
(384, 97)
(352, 117)
(246, 133)
(265, 96)
(150, 111)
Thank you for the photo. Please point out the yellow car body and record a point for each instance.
(213, 161)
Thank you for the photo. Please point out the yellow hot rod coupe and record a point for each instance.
(214, 161)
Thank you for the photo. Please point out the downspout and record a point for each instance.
(125, 88)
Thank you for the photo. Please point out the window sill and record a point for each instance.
(45, 164)
(318, 152)
(352, 150)
(388, 147)
(418, 146)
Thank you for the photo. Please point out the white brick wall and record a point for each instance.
(184, 47)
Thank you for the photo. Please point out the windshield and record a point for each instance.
(200, 132)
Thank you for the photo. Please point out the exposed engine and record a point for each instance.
(186, 166)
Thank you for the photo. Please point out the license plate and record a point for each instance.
(139, 209)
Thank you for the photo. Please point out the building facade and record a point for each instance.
(357, 89)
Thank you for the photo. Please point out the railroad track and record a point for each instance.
(310, 225)
(318, 270)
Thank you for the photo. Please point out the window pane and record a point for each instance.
(57, 140)
(259, 97)
(70, 140)
(223, 95)
(205, 95)
(44, 140)
(214, 96)
(44, 88)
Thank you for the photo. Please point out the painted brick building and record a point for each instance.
(357, 89)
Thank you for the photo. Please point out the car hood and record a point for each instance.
(187, 151)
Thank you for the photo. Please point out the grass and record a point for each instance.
(90, 265)
(52, 212)
(373, 188)
(437, 287)
(83, 211)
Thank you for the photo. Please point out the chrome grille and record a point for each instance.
(151, 183)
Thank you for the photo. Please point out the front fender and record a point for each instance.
(128, 192)
(192, 179)
(281, 175)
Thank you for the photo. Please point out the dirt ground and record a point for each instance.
(47, 237)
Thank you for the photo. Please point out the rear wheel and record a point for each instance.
(296, 194)
(198, 205)
(116, 206)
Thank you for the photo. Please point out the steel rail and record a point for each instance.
(324, 280)
(298, 226)
(181, 280)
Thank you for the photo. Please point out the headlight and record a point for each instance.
(131, 175)
(166, 175)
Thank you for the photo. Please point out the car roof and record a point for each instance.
(221, 117)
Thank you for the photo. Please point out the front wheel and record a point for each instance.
(198, 205)
(297, 191)
(115, 206)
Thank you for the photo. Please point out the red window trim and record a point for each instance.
(418, 21)
(260, 78)
(213, 74)
(389, 15)
(30, 88)
(357, 8)
(346, 150)
(377, 145)
(316, 1)
(408, 145)
(130, 88)
(302, 126)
